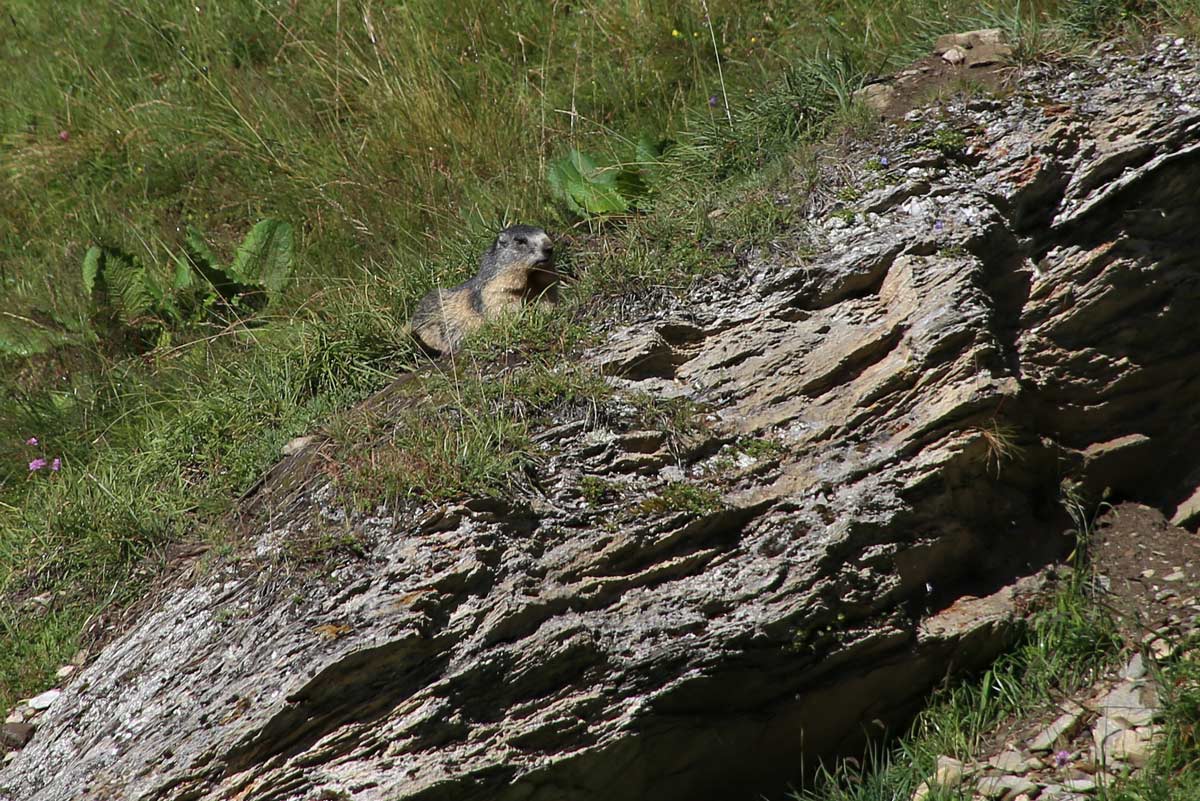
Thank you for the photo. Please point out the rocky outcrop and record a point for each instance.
(891, 398)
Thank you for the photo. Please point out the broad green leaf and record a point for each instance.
(205, 261)
(587, 188)
(648, 152)
(564, 181)
(199, 250)
(265, 257)
(184, 277)
(91, 268)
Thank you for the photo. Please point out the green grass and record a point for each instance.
(680, 496)
(1067, 646)
(395, 139)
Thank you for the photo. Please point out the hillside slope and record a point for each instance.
(997, 313)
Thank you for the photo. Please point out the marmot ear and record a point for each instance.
(502, 239)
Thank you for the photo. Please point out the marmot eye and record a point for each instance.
(522, 240)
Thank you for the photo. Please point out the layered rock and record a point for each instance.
(893, 397)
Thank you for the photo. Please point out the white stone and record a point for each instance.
(1136, 669)
(43, 701)
(949, 772)
(1132, 746)
(296, 445)
(1131, 704)
(1009, 762)
(955, 55)
(1058, 731)
(1001, 787)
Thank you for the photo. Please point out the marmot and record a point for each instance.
(518, 268)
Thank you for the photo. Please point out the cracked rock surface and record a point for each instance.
(893, 402)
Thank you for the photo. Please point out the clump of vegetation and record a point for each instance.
(596, 490)
(460, 434)
(588, 189)
(948, 141)
(128, 298)
(1000, 442)
(681, 496)
(760, 447)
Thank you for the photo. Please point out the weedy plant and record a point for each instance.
(588, 189)
(127, 297)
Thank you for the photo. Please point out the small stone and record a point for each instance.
(1132, 746)
(1103, 730)
(954, 55)
(16, 735)
(969, 39)
(1080, 785)
(1004, 787)
(1131, 704)
(1176, 575)
(15, 717)
(1148, 573)
(1060, 730)
(921, 793)
(65, 672)
(296, 445)
(43, 701)
(1160, 649)
(1136, 669)
(876, 96)
(949, 772)
(1056, 792)
(1009, 762)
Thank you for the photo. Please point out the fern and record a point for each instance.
(126, 295)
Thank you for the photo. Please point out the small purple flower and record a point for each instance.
(31, 441)
(937, 226)
(712, 101)
(1061, 759)
(64, 135)
(37, 464)
(883, 161)
(56, 465)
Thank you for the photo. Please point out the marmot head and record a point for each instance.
(524, 246)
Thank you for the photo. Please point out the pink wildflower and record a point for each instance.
(1061, 759)
(64, 135)
(31, 441)
(56, 465)
(37, 464)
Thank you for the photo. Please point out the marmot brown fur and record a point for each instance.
(518, 268)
